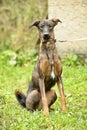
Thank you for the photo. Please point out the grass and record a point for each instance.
(14, 117)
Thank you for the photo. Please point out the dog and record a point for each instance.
(47, 72)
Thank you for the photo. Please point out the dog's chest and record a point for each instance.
(49, 62)
(51, 78)
(52, 72)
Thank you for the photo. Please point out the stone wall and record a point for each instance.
(71, 34)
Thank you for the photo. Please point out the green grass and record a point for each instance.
(14, 117)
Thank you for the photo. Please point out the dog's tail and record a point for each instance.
(20, 97)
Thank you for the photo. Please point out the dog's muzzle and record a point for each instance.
(46, 36)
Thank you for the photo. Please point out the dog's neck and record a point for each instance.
(49, 49)
(47, 45)
(51, 41)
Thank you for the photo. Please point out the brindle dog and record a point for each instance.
(47, 72)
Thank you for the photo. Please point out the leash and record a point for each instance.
(73, 40)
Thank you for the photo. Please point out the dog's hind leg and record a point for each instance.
(32, 100)
(51, 98)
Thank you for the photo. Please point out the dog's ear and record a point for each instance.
(56, 21)
(34, 24)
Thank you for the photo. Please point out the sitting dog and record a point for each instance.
(47, 72)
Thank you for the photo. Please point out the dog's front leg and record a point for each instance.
(43, 97)
(60, 86)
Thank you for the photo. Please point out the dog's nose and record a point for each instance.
(46, 36)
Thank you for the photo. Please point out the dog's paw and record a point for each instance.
(46, 112)
(64, 109)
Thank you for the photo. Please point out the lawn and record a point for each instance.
(14, 117)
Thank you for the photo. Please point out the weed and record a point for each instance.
(73, 60)
(12, 58)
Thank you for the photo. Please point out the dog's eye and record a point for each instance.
(50, 27)
(41, 27)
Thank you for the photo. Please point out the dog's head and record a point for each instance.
(45, 28)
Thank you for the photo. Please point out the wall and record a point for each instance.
(71, 35)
